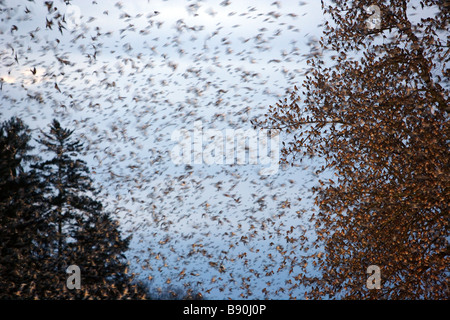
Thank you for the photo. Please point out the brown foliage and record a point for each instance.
(379, 118)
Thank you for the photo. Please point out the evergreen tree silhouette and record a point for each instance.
(23, 230)
(50, 219)
(86, 236)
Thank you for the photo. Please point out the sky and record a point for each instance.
(126, 76)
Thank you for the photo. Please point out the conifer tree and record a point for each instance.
(69, 182)
(23, 230)
(86, 236)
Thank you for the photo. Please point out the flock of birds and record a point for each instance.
(127, 75)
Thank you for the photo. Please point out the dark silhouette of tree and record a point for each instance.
(50, 220)
(98, 251)
(68, 180)
(86, 236)
(379, 118)
(23, 231)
